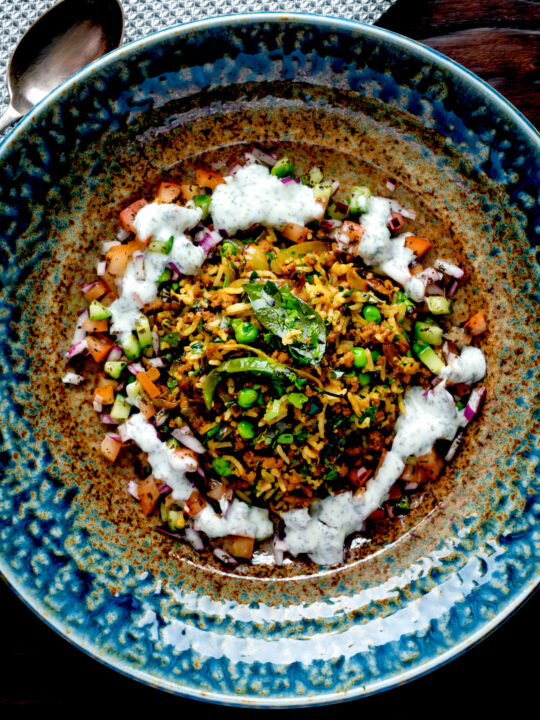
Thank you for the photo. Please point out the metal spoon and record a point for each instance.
(70, 35)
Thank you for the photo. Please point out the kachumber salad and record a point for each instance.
(282, 355)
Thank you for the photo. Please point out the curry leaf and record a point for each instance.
(281, 312)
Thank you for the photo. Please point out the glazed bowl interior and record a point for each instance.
(366, 105)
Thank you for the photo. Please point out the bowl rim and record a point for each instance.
(505, 108)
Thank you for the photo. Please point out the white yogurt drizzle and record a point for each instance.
(386, 255)
(171, 466)
(139, 284)
(468, 367)
(253, 196)
(321, 530)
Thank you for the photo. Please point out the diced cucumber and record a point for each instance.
(113, 368)
(120, 409)
(203, 202)
(172, 443)
(359, 199)
(165, 276)
(323, 192)
(97, 311)
(315, 176)
(176, 520)
(282, 168)
(134, 390)
(439, 305)
(337, 211)
(402, 298)
(429, 357)
(142, 328)
(131, 347)
(428, 332)
(161, 246)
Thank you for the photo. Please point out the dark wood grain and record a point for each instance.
(499, 41)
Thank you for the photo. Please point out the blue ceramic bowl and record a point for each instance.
(75, 549)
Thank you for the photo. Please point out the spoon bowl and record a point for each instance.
(65, 39)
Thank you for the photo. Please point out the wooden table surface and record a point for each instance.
(499, 41)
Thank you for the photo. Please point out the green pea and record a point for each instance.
(247, 397)
(222, 467)
(285, 438)
(245, 332)
(364, 379)
(227, 249)
(245, 429)
(374, 355)
(360, 357)
(372, 313)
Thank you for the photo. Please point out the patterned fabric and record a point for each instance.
(143, 17)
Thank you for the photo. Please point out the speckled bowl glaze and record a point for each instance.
(367, 103)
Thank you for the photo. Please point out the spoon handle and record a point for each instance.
(9, 117)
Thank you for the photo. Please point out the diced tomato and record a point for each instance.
(377, 514)
(208, 178)
(118, 257)
(105, 394)
(295, 233)
(127, 216)
(430, 465)
(418, 245)
(168, 192)
(110, 448)
(195, 503)
(149, 493)
(150, 388)
(95, 291)
(476, 325)
(146, 407)
(239, 546)
(99, 347)
(352, 230)
(92, 326)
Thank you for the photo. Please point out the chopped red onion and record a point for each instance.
(434, 289)
(175, 270)
(391, 184)
(452, 289)
(133, 489)
(106, 246)
(280, 548)
(287, 180)
(114, 437)
(396, 207)
(411, 486)
(97, 404)
(225, 557)
(454, 446)
(164, 489)
(156, 343)
(331, 224)
(161, 418)
(429, 275)
(115, 354)
(475, 400)
(108, 420)
(361, 473)
(101, 267)
(156, 362)
(184, 436)
(80, 347)
(341, 207)
(122, 234)
(207, 239)
(449, 268)
(135, 368)
(263, 157)
(396, 221)
(71, 378)
(335, 188)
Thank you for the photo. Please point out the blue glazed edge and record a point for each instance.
(486, 628)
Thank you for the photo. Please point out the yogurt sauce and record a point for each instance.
(468, 367)
(254, 196)
(320, 531)
(171, 467)
(139, 285)
(386, 255)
